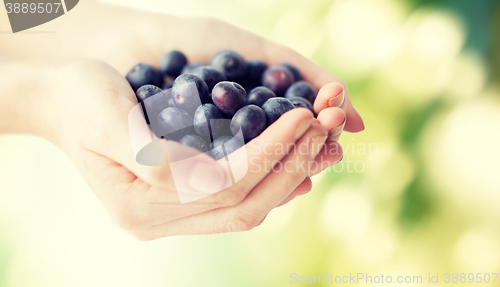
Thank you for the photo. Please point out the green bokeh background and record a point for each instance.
(418, 191)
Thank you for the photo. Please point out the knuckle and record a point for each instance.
(232, 196)
(243, 220)
(317, 131)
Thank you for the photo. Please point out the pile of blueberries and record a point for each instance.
(206, 106)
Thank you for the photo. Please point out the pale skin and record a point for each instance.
(82, 106)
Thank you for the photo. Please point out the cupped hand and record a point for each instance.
(143, 199)
(89, 108)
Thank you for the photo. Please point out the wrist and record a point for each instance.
(25, 97)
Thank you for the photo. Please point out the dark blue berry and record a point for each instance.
(278, 78)
(146, 91)
(258, 96)
(194, 141)
(153, 105)
(295, 71)
(143, 93)
(210, 123)
(275, 107)
(172, 63)
(251, 120)
(302, 103)
(224, 145)
(190, 67)
(229, 97)
(174, 123)
(190, 92)
(210, 75)
(231, 63)
(167, 87)
(301, 89)
(255, 69)
(144, 74)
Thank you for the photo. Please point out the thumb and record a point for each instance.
(165, 163)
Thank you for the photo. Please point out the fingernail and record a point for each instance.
(341, 159)
(316, 145)
(302, 128)
(335, 132)
(206, 178)
(338, 100)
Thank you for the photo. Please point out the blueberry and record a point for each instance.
(153, 105)
(275, 107)
(172, 63)
(190, 67)
(231, 63)
(229, 97)
(144, 74)
(167, 85)
(302, 103)
(194, 141)
(143, 93)
(295, 71)
(210, 75)
(146, 91)
(210, 123)
(278, 78)
(255, 69)
(225, 143)
(251, 120)
(174, 123)
(259, 96)
(301, 89)
(190, 92)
